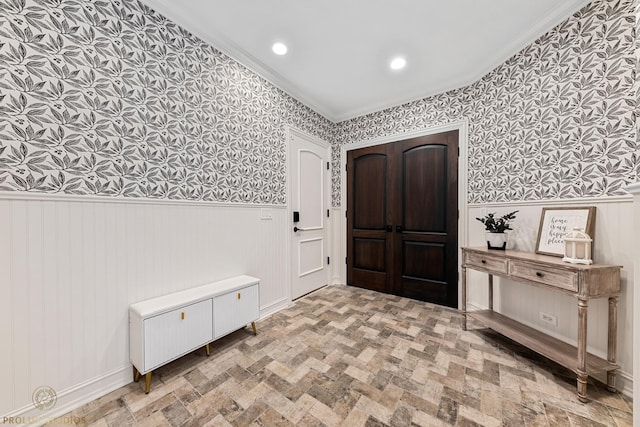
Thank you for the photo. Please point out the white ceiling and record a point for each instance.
(339, 50)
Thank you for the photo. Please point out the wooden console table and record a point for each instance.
(585, 282)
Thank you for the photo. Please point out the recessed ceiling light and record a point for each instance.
(398, 63)
(279, 48)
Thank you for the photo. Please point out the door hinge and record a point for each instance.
(458, 213)
(458, 151)
(346, 168)
(328, 260)
(345, 214)
(327, 213)
(327, 165)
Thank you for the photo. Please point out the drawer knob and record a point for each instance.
(539, 274)
(182, 315)
(238, 295)
(483, 261)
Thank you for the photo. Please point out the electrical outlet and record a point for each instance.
(266, 213)
(549, 318)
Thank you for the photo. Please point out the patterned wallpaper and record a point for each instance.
(109, 98)
(555, 121)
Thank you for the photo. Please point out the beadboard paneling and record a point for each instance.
(614, 243)
(70, 268)
(636, 297)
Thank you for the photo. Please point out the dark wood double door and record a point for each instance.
(402, 218)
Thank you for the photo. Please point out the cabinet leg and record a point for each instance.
(136, 375)
(207, 349)
(253, 326)
(147, 382)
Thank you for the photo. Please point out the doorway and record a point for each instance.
(402, 218)
(308, 160)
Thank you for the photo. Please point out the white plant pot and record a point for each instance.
(496, 240)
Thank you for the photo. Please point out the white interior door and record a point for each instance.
(309, 255)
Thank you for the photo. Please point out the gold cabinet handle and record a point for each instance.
(238, 295)
(182, 315)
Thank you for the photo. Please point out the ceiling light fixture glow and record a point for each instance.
(279, 48)
(398, 63)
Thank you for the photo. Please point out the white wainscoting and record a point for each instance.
(338, 246)
(615, 242)
(635, 190)
(70, 267)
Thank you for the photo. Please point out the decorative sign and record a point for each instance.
(555, 223)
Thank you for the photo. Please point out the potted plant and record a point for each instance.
(495, 229)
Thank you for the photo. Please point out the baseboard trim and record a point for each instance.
(72, 398)
(272, 308)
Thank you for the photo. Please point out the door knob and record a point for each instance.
(399, 228)
(389, 227)
(296, 229)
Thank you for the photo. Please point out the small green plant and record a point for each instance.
(497, 225)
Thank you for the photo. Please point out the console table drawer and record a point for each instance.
(486, 262)
(548, 276)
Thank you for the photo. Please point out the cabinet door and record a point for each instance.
(248, 305)
(235, 310)
(225, 314)
(173, 334)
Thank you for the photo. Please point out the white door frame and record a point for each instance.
(291, 132)
(463, 164)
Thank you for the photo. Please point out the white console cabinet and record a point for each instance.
(165, 328)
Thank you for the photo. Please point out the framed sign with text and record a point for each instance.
(555, 223)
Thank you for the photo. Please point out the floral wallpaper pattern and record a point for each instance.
(109, 98)
(555, 121)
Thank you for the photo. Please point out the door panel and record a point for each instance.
(369, 254)
(370, 179)
(414, 255)
(402, 218)
(427, 245)
(424, 176)
(311, 177)
(369, 242)
(311, 256)
(308, 160)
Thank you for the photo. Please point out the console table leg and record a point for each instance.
(207, 349)
(136, 374)
(253, 326)
(147, 382)
(464, 298)
(583, 305)
(582, 388)
(612, 344)
(491, 292)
